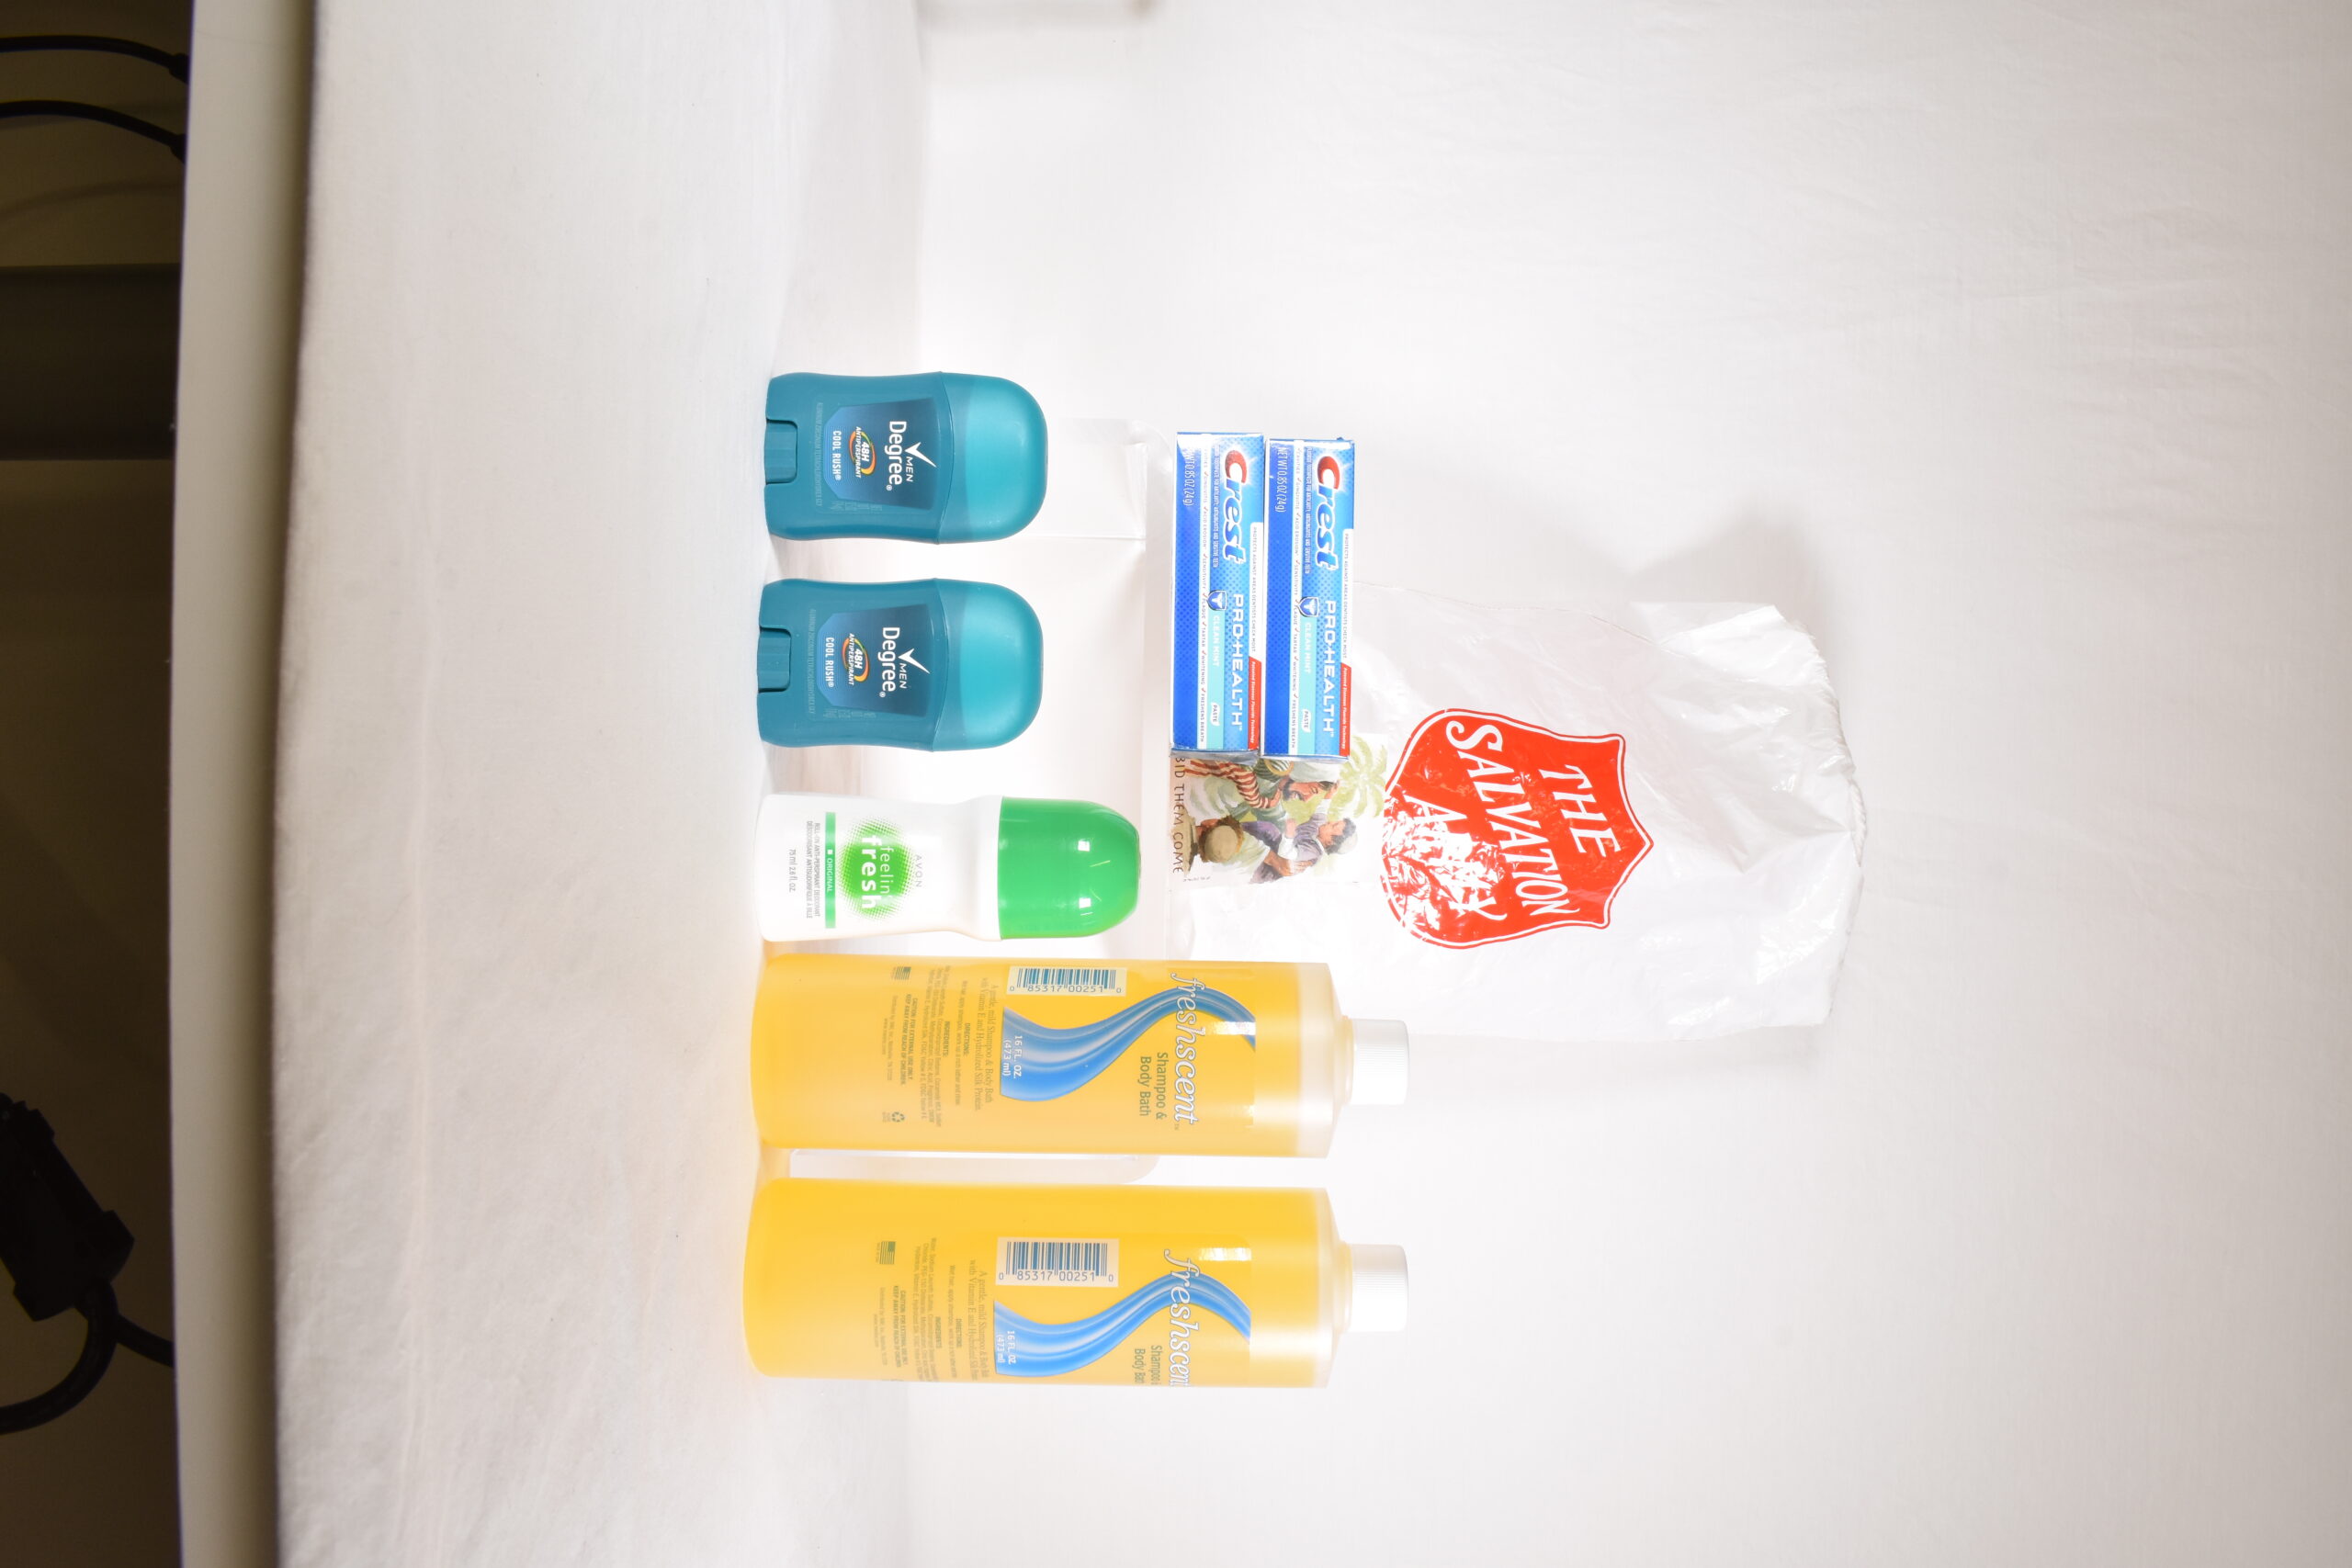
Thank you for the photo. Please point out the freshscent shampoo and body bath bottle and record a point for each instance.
(854, 1050)
(1165, 1287)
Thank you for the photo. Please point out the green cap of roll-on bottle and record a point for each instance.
(1064, 868)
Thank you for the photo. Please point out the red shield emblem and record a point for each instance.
(1495, 830)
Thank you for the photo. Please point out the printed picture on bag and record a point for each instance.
(1265, 819)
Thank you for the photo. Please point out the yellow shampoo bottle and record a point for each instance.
(854, 1050)
(1149, 1287)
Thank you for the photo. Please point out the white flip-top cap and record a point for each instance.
(1376, 1299)
(1383, 1051)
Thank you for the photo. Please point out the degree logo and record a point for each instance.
(854, 659)
(861, 452)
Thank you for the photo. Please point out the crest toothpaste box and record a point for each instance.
(1220, 586)
(1310, 581)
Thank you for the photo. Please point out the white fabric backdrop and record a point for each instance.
(555, 253)
(2005, 347)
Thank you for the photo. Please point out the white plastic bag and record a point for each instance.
(1549, 826)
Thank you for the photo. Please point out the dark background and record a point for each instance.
(85, 571)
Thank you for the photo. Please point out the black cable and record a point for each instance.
(174, 63)
(63, 1252)
(23, 108)
(142, 1341)
(97, 1350)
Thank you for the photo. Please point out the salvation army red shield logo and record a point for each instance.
(1495, 830)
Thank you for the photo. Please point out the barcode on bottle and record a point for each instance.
(1056, 980)
(1033, 1260)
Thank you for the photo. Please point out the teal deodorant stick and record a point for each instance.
(934, 665)
(940, 458)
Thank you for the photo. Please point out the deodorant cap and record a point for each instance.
(1377, 1293)
(1000, 449)
(1382, 1051)
(1063, 868)
(999, 653)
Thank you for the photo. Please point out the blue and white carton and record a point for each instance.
(1220, 588)
(1310, 583)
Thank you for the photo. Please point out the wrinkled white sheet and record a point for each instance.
(2004, 347)
(554, 254)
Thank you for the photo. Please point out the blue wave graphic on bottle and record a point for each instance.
(1027, 1349)
(1053, 1062)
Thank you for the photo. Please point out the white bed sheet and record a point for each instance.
(2003, 345)
(554, 254)
(2006, 347)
